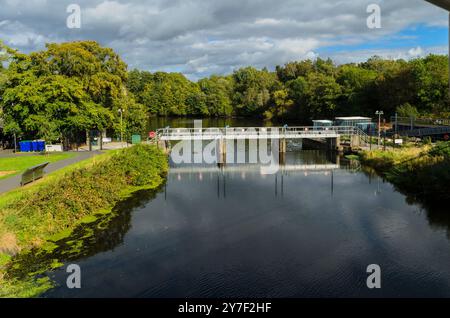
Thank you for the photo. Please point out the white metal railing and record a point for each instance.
(425, 131)
(254, 132)
(411, 121)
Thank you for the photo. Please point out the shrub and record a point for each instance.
(58, 205)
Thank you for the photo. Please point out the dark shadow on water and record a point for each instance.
(437, 212)
(104, 234)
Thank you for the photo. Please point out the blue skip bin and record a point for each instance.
(38, 145)
(26, 146)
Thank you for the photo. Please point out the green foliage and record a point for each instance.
(62, 91)
(252, 90)
(407, 110)
(52, 207)
(405, 167)
(72, 87)
(303, 90)
(218, 92)
(39, 215)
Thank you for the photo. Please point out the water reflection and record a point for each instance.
(310, 230)
(104, 234)
(222, 231)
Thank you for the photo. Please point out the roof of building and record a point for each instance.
(353, 118)
(324, 121)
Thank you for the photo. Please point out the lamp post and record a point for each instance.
(121, 125)
(379, 113)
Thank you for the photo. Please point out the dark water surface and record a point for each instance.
(234, 232)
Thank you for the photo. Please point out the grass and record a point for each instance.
(383, 160)
(10, 166)
(57, 204)
(422, 173)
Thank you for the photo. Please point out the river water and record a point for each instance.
(235, 232)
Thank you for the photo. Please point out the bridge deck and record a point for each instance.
(251, 133)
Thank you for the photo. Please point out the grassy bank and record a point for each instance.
(35, 215)
(16, 164)
(420, 172)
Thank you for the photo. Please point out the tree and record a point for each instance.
(217, 91)
(281, 104)
(321, 95)
(60, 92)
(252, 90)
(357, 85)
(407, 110)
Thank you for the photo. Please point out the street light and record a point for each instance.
(379, 113)
(121, 125)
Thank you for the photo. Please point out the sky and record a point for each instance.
(203, 37)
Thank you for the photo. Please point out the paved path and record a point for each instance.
(14, 182)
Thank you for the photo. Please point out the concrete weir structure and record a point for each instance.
(331, 136)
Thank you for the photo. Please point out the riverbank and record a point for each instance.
(35, 215)
(423, 173)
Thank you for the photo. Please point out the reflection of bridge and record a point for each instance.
(252, 168)
(223, 176)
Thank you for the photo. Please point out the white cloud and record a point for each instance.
(200, 37)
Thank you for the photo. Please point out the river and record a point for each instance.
(235, 232)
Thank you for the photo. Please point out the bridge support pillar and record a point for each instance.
(282, 147)
(338, 144)
(355, 141)
(282, 158)
(221, 150)
(334, 144)
(162, 144)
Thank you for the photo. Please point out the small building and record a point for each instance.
(364, 123)
(322, 123)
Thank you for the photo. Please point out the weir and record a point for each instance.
(330, 136)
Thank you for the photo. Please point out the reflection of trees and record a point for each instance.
(104, 234)
(437, 214)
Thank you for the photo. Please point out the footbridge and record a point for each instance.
(332, 135)
(236, 133)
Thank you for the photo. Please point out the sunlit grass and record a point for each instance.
(16, 164)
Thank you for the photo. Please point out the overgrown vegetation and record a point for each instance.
(59, 203)
(422, 173)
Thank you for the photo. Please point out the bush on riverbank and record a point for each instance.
(382, 160)
(27, 217)
(422, 173)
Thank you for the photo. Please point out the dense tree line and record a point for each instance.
(62, 92)
(303, 90)
(70, 88)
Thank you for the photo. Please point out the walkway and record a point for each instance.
(250, 133)
(14, 182)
